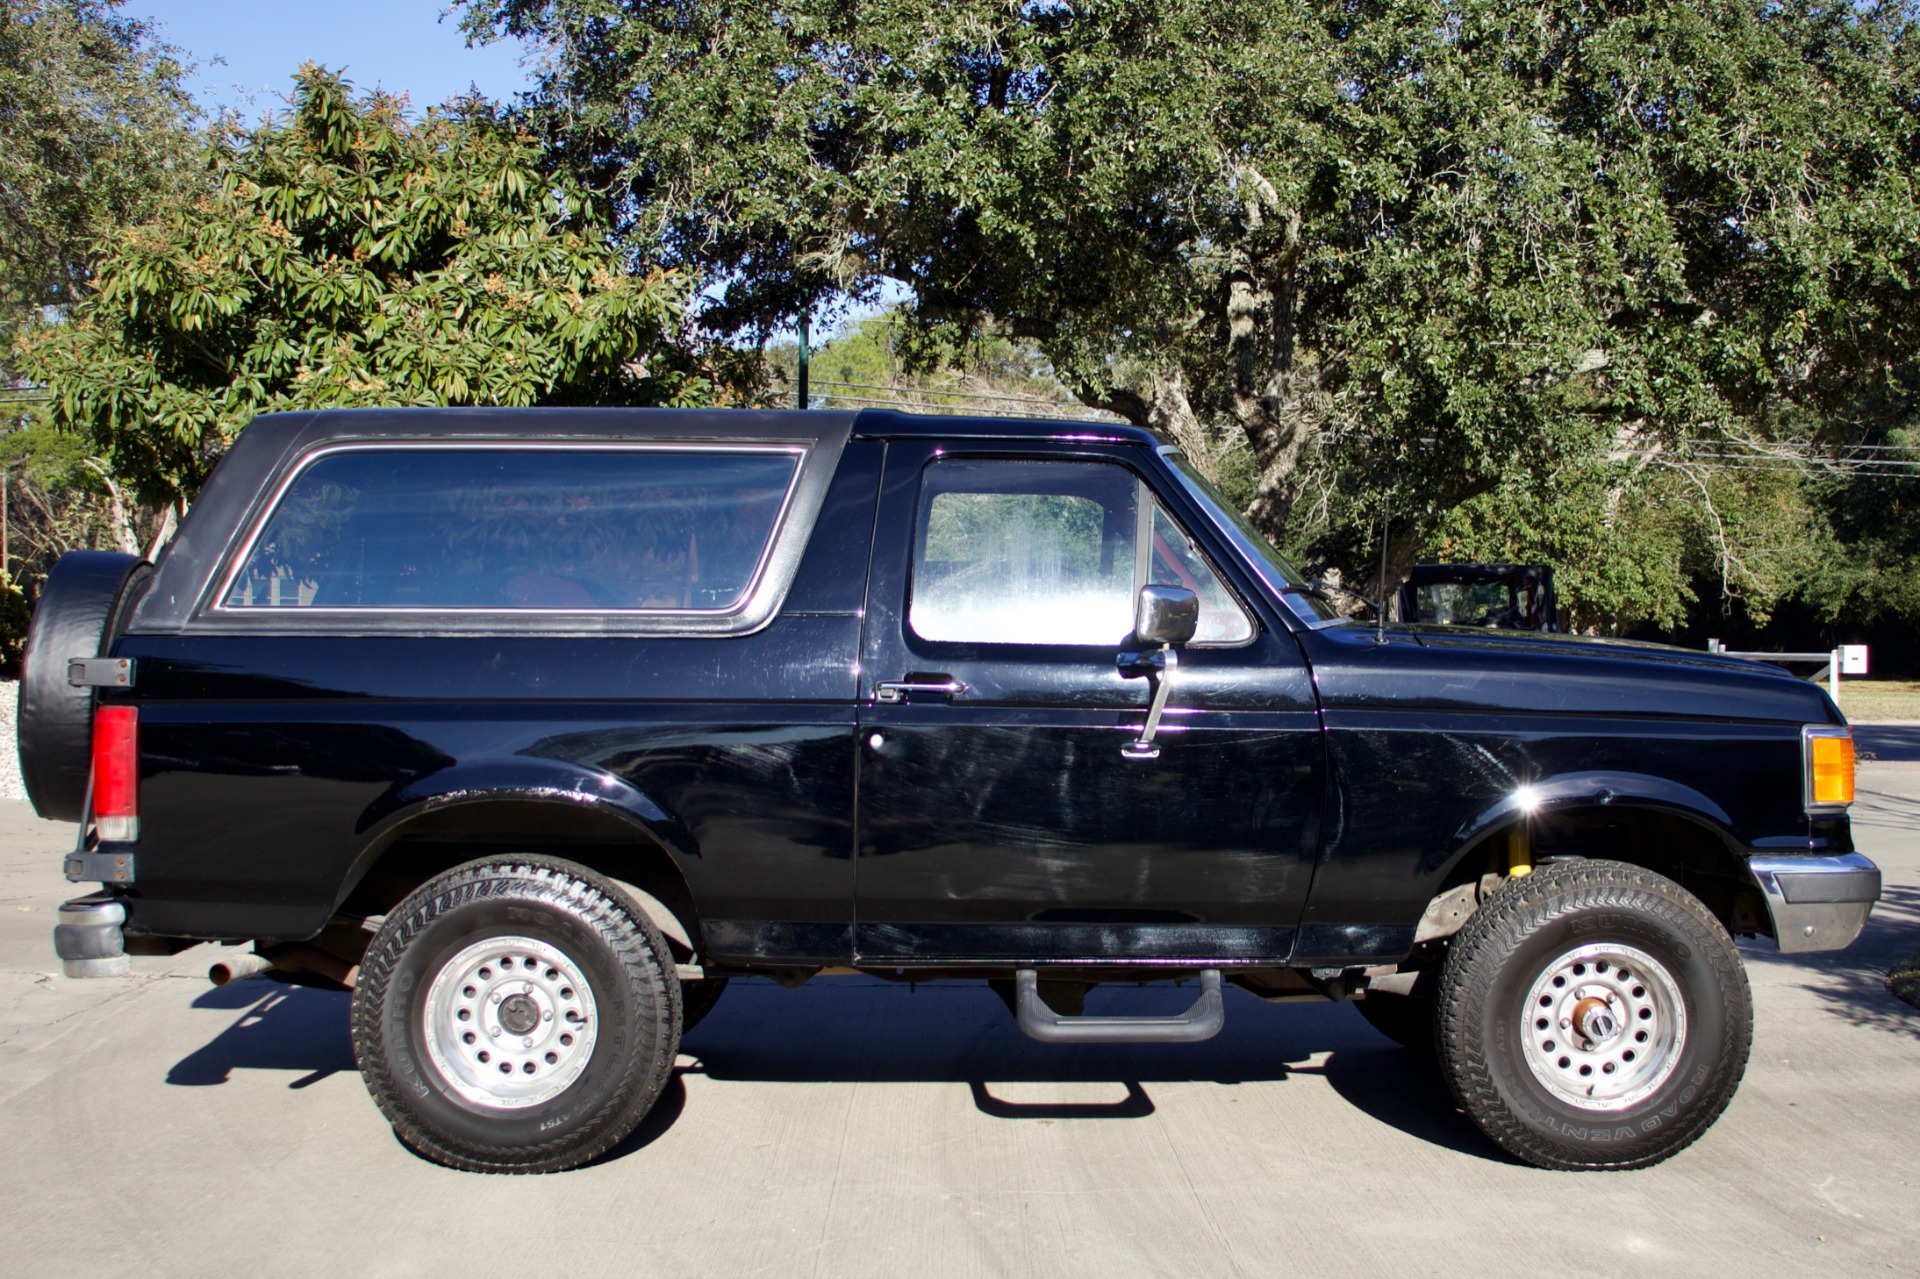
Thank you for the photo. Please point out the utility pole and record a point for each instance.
(803, 359)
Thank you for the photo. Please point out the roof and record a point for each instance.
(275, 432)
(265, 450)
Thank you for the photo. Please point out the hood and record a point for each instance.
(1462, 668)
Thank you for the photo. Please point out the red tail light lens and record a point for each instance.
(116, 773)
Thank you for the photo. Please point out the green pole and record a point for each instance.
(803, 360)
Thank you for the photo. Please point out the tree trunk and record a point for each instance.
(119, 519)
(169, 521)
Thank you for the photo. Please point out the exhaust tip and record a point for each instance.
(239, 968)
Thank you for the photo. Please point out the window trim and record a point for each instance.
(1147, 500)
(773, 574)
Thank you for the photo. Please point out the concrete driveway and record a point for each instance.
(155, 1125)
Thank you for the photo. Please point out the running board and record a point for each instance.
(1202, 1021)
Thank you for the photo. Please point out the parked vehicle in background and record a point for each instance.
(1514, 597)
(534, 728)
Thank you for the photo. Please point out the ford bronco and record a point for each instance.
(533, 728)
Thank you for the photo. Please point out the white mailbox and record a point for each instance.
(1853, 659)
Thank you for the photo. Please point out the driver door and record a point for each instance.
(998, 818)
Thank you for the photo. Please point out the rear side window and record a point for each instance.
(562, 529)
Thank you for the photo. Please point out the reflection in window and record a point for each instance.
(1177, 562)
(532, 529)
(1024, 553)
(1049, 553)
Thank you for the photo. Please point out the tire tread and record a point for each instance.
(1525, 904)
(635, 942)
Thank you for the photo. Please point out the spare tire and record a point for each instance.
(78, 609)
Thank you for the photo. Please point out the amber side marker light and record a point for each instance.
(1829, 755)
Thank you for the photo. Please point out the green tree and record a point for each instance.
(350, 256)
(95, 132)
(886, 360)
(1870, 568)
(1410, 248)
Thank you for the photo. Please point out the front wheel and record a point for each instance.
(1593, 1015)
(516, 1015)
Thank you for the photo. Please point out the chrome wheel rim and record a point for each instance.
(1605, 1027)
(509, 1023)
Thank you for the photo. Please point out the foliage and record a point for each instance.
(351, 256)
(1409, 249)
(15, 614)
(886, 360)
(1871, 570)
(58, 500)
(95, 132)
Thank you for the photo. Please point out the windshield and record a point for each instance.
(1272, 566)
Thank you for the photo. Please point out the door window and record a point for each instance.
(1176, 561)
(1050, 553)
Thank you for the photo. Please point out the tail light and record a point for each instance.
(1828, 752)
(116, 773)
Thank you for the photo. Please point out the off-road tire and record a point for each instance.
(629, 974)
(697, 999)
(1497, 965)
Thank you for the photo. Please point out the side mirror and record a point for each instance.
(1165, 615)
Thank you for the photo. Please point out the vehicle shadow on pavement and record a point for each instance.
(287, 1028)
(866, 1030)
(860, 1030)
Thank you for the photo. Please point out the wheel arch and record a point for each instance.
(1643, 820)
(594, 825)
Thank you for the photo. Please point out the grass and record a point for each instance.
(1872, 701)
(1904, 980)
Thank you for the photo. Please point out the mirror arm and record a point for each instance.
(1160, 668)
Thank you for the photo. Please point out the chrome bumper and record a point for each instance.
(1817, 903)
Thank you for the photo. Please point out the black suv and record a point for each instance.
(532, 728)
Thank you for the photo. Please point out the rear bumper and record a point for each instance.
(1817, 903)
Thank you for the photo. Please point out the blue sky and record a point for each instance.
(398, 45)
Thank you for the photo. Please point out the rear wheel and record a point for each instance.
(516, 1015)
(1593, 1015)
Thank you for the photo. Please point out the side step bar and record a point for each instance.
(1202, 1021)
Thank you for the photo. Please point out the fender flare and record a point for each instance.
(1595, 790)
(516, 779)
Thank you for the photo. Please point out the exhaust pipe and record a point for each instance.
(238, 968)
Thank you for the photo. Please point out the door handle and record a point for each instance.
(893, 691)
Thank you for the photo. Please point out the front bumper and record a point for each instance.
(1817, 903)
